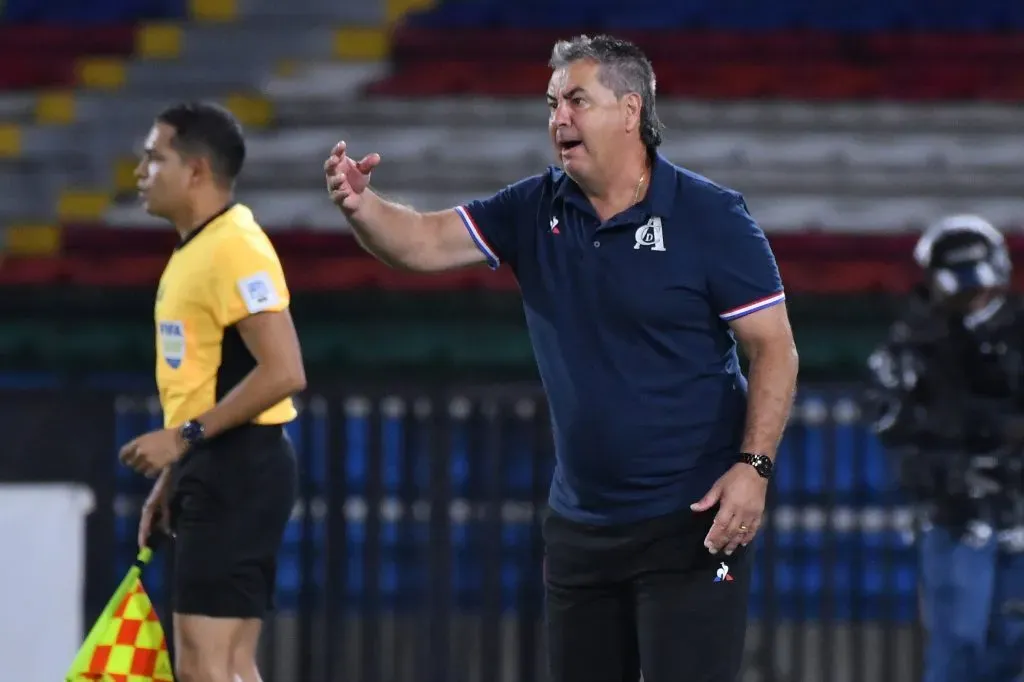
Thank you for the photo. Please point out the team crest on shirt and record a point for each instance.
(650, 235)
(172, 342)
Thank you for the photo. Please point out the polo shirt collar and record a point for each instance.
(661, 195)
(195, 233)
(659, 200)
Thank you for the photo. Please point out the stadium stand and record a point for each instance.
(814, 112)
(761, 100)
(846, 131)
(70, 120)
(788, 105)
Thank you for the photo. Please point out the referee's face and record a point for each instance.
(162, 177)
(587, 122)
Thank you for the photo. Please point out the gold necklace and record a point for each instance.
(636, 194)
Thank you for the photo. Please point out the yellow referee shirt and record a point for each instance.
(223, 272)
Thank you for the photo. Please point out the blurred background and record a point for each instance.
(414, 555)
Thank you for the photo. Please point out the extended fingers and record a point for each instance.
(742, 531)
(335, 158)
(733, 527)
(127, 450)
(717, 537)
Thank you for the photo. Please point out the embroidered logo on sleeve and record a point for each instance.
(172, 342)
(259, 293)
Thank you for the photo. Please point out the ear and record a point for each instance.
(632, 104)
(200, 169)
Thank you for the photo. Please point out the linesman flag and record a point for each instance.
(127, 643)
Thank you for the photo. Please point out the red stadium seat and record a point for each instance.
(39, 72)
(66, 40)
(45, 56)
(720, 64)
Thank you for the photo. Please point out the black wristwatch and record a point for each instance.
(762, 464)
(193, 433)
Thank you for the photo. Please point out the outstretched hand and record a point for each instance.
(740, 494)
(347, 179)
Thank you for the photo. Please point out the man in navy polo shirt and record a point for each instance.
(638, 278)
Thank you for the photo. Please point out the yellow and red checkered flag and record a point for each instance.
(127, 643)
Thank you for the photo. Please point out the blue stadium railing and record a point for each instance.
(458, 479)
(415, 553)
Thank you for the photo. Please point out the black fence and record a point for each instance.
(415, 552)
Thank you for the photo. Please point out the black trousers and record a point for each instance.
(643, 597)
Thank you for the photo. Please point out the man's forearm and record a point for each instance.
(772, 385)
(392, 233)
(260, 390)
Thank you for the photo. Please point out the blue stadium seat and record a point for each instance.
(91, 12)
(877, 467)
(873, 572)
(838, 15)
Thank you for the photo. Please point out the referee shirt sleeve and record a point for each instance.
(249, 278)
(743, 276)
(497, 223)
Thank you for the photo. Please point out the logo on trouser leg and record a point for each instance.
(722, 574)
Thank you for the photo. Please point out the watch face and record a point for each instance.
(192, 431)
(761, 464)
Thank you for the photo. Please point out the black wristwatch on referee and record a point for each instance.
(193, 433)
(762, 464)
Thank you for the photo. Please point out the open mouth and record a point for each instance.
(569, 144)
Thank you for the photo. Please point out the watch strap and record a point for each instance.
(762, 464)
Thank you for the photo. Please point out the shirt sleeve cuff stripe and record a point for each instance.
(754, 306)
(478, 238)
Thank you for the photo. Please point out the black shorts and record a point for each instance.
(231, 501)
(643, 596)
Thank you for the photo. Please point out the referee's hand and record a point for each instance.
(153, 452)
(740, 494)
(156, 510)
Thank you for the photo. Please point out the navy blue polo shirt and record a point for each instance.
(629, 324)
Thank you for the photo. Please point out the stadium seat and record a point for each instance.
(89, 12)
(846, 15)
(46, 56)
(900, 49)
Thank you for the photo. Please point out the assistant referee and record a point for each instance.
(228, 362)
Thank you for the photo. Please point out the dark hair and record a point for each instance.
(624, 68)
(210, 130)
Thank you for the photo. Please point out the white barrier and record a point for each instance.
(42, 579)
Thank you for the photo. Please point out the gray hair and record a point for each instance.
(624, 69)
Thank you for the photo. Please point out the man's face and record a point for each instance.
(163, 178)
(588, 124)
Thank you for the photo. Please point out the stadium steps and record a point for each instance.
(841, 176)
(227, 51)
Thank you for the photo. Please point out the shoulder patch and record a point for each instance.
(258, 292)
